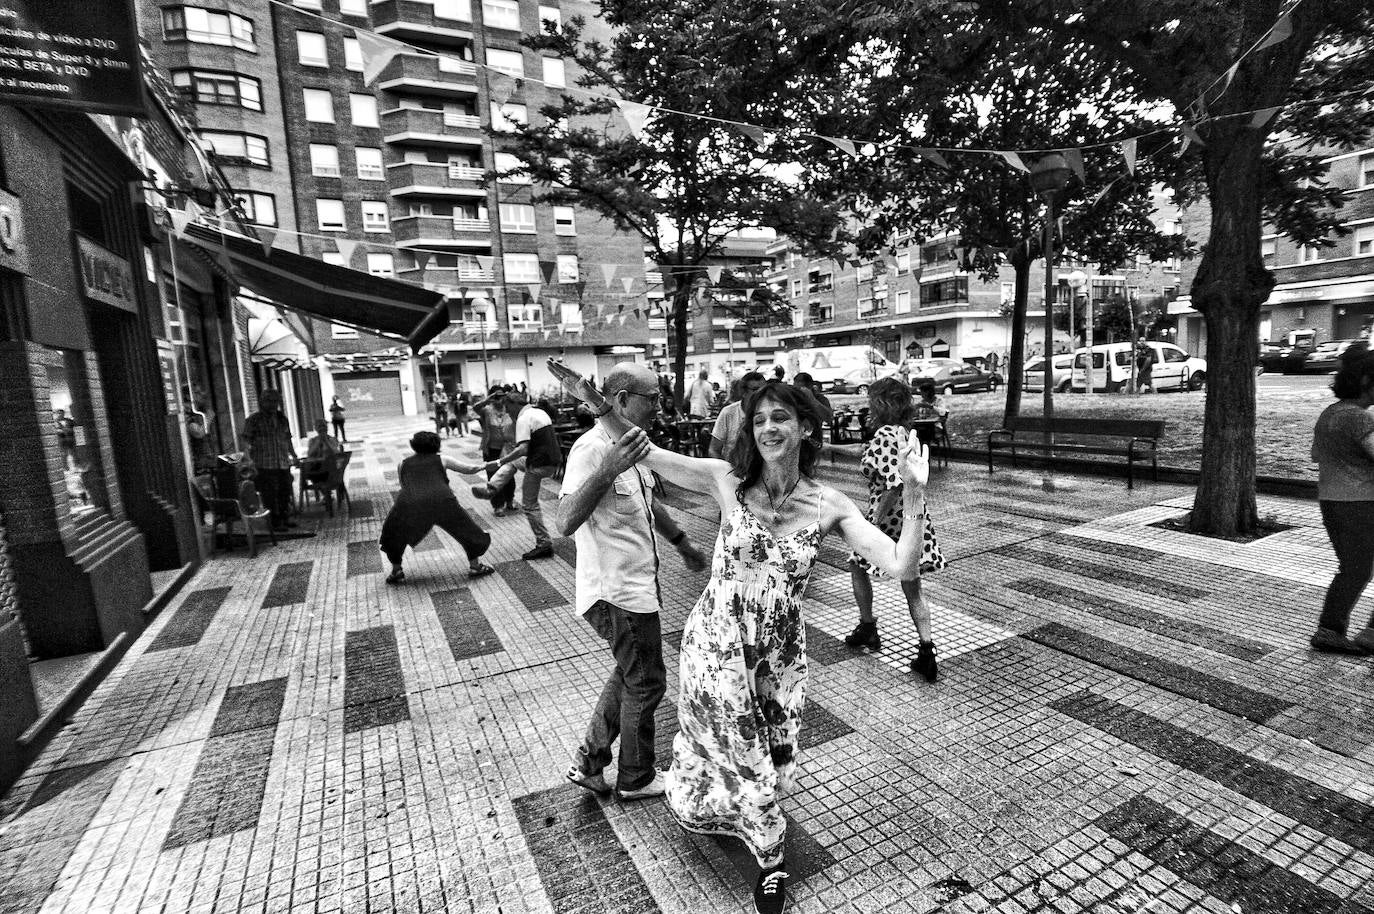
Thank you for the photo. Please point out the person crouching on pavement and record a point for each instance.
(425, 502)
(536, 452)
(607, 505)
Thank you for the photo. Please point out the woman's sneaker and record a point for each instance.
(865, 634)
(770, 894)
(924, 662)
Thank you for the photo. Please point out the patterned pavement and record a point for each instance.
(1127, 720)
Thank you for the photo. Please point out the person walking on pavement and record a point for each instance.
(440, 403)
(537, 453)
(266, 437)
(742, 679)
(700, 396)
(1343, 446)
(498, 438)
(425, 502)
(336, 417)
(607, 505)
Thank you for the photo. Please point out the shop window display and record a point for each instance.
(76, 435)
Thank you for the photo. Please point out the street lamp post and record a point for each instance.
(1049, 176)
(482, 335)
(1076, 280)
(730, 324)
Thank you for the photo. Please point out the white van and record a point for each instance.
(843, 366)
(1172, 369)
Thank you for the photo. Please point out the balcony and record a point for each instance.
(441, 231)
(413, 179)
(409, 20)
(444, 278)
(426, 127)
(419, 74)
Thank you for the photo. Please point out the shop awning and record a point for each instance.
(332, 293)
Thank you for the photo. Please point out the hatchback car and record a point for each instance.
(1326, 357)
(857, 380)
(1034, 377)
(960, 379)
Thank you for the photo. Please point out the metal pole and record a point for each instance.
(1049, 317)
(1088, 305)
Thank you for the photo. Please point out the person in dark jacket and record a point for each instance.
(425, 502)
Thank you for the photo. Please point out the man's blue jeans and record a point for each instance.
(630, 697)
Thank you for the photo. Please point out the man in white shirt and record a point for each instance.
(607, 504)
(699, 397)
(725, 434)
(537, 453)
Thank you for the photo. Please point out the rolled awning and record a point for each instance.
(332, 293)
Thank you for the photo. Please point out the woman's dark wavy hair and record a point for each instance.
(746, 460)
(889, 403)
(1355, 373)
(424, 443)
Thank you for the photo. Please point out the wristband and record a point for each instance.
(677, 540)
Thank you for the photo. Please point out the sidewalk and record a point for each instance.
(1127, 720)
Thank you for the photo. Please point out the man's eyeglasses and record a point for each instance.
(652, 398)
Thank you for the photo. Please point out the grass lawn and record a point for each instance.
(1283, 422)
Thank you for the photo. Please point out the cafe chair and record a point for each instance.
(252, 511)
(215, 512)
(332, 485)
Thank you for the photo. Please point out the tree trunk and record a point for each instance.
(1016, 359)
(682, 300)
(1231, 285)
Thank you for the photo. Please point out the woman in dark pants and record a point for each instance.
(425, 502)
(1343, 446)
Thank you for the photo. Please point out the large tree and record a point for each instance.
(683, 182)
(1178, 54)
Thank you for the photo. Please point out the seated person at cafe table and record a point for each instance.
(319, 454)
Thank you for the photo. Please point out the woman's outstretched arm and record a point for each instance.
(901, 559)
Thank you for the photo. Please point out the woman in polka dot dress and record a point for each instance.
(890, 410)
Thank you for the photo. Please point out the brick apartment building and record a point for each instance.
(395, 171)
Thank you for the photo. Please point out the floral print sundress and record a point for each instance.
(742, 685)
(880, 467)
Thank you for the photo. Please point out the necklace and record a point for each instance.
(777, 509)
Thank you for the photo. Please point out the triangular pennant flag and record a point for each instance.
(548, 268)
(933, 155)
(180, 219)
(347, 249)
(533, 289)
(1229, 75)
(1263, 116)
(623, 318)
(713, 274)
(846, 146)
(421, 259)
(1128, 153)
(554, 301)
(580, 286)
(637, 314)
(485, 262)
(959, 252)
(620, 308)
(636, 116)
(500, 86)
(266, 236)
(757, 134)
(1280, 31)
(377, 51)
(1190, 135)
(628, 283)
(607, 273)
(1014, 161)
(547, 332)
(1075, 159)
(1100, 194)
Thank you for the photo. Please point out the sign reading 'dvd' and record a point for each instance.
(79, 54)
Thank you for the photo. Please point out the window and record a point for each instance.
(375, 216)
(339, 331)
(1008, 291)
(864, 273)
(191, 23)
(208, 87)
(570, 316)
(1364, 241)
(319, 106)
(311, 49)
(453, 9)
(933, 254)
(564, 221)
(903, 302)
(1366, 171)
(353, 7)
(821, 313)
(237, 148)
(381, 264)
(525, 318)
(1308, 253)
(555, 74)
(506, 164)
(505, 117)
(549, 15)
(945, 291)
(796, 288)
(324, 160)
(362, 109)
(331, 215)
(904, 262)
(816, 281)
(568, 268)
(258, 208)
(501, 14)
(370, 163)
(865, 306)
(521, 268)
(517, 217)
(508, 62)
(1269, 251)
(353, 55)
(308, 4)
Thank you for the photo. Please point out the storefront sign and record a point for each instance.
(14, 252)
(105, 276)
(71, 54)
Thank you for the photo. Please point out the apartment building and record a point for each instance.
(389, 177)
(1327, 293)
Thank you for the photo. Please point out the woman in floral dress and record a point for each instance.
(890, 410)
(742, 678)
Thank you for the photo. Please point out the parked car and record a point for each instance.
(1272, 357)
(1172, 367)
(952, 379)
(1034, 377)
(856, 380)
(829, 366)
(1326, 357)
(916, 368)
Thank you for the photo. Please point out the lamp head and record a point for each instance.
(1050, 174)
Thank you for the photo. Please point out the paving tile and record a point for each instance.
(468, 632)
(1109, 574)
(364, 558)
(531, 587)
(361, 507)
(289, 585)
(191, 620)
(374, 690)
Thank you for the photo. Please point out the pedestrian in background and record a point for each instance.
(538, 455)
(1343, 446)
(336, 416)
(498, 437)
(462, 409)
(700, 396)
(267, 439)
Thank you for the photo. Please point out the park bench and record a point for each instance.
(1134, 439)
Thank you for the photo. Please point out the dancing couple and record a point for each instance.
(743, 668)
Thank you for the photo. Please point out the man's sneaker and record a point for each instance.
(596, 783)
(478, 570)
(539, 552)
(1365, 639)
(770, 894)
(396, 577)
(481, 491)
(1326, 641)
(655, 788)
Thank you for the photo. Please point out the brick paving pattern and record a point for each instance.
(1127, 720)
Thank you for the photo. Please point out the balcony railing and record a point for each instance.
(441, 230)
(424, 74)
(470, 121)
(410, 19)
(463, 224)
(466, 173)
(420, 178)
(426, 126)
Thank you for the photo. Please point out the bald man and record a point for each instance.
(607, 505)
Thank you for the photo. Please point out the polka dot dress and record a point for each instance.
(879, 466)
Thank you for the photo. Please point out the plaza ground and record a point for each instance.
(1128, 719)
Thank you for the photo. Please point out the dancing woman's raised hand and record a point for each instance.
(913, 461)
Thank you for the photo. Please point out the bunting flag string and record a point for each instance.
(628, 283)
(533, 289)
(636, 116)
(846, 146)
(1014, 160)
(500, 86)
(347, 248)
(1128, 153)
(713, 274)
(1075, 159)
(933, 156)
(266, 235)
(1281, 30)
(378, 51)
(421, 259)
(608, 273)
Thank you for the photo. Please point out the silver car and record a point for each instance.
(1034, 378)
